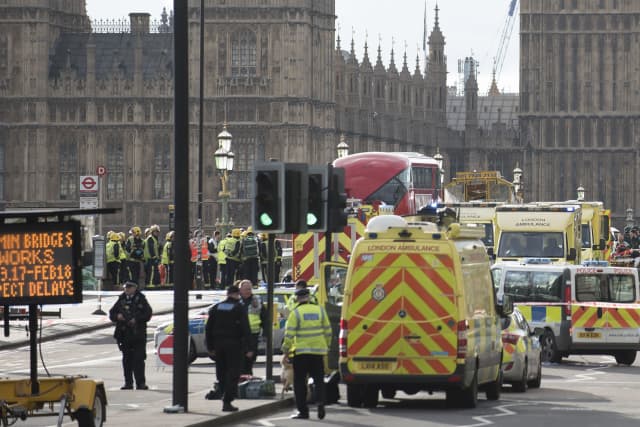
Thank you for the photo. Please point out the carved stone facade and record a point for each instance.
(73, 99)
(580, 100)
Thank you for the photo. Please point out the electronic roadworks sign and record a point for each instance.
(40, 263)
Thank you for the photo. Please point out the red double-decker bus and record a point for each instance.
(406, 181)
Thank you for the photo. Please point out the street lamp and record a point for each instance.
(517, 181)
(580, 191)
(224, 165)
(342, 148)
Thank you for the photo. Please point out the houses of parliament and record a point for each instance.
(77, 94)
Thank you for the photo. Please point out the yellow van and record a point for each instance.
(419, 313)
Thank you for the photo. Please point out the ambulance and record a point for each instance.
(584, 309)
(419, 313)
(480, 215)
(539, 231)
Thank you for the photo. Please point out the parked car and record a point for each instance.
(521, 357)
(197, 322)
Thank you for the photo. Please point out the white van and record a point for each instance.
(584, 309)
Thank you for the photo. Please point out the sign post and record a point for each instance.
(99, 263)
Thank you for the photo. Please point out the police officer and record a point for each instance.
(308, 335)
(227, 332)
(257, 315)
(130, 313)
(292, 301)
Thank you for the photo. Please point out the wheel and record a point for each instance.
(370, 397)
(355, 395)
(535, 383)
(95, 417)
(550, 351)
(469, 395)
(625, 357)
(388, 393)
(492, 390)
(521, 386)
(192, 352)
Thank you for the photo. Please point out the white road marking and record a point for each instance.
(503, 412)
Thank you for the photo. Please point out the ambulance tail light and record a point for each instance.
(462, 339)
(567, 299)
(342, 338)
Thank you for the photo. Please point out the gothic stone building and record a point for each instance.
(76, 95)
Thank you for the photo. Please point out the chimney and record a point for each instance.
(139, 23)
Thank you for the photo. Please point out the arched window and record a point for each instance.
(115, 166)
(243, 54)
(68, 167)
(162, 168)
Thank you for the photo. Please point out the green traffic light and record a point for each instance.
(311, 219)
(266, 220)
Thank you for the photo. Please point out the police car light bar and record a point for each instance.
(595, 263)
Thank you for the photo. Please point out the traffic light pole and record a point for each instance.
(268, 330)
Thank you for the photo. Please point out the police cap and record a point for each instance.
(304, 292)
(129, 283)
(302, 284)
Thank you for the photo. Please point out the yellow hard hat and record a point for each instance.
(109, 233)
(236, 232)
(121, 235)
(136, 230)
(249, 229)
(113, 236)
(169, 235)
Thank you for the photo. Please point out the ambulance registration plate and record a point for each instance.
(374, 366)
(589, 335)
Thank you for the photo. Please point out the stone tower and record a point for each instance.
(580, 109)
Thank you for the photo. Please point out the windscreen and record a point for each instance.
(532, 244)
(392, 191)
(605, 288)
(534, 286)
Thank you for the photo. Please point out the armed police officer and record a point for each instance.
(227, 333)
(130, 313)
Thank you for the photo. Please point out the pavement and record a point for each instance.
(80, 318)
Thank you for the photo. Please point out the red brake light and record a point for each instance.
(567, 299)
(342, 338)
(462, 339)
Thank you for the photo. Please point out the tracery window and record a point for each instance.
(68, 167)
(115, 166)
(162, 169)
(243, 54)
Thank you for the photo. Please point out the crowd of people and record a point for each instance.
(627, 245)
(217, 261)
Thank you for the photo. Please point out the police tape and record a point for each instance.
(582, 304)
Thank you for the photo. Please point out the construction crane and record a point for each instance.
(505, 37)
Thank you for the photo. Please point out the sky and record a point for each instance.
(470, 27)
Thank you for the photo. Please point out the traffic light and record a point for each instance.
(269, 197)
(317, 206)
(337, 201)
(296, 197)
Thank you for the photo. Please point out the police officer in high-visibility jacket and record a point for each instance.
(257, 315)
(308, 335)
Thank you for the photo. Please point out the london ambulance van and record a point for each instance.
(419, 313)
(540, 231)
(480, 215)
(584, 309)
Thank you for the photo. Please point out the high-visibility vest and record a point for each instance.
(204, 249)
(165, 253)
(193, 246)
(307, 330)
(222, 257)
(111, 253)
(254, 310)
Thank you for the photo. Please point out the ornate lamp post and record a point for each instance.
(224, 165)
(342, 148)
(580, 191)
(517, 182)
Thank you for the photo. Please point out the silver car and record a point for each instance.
(521, 357)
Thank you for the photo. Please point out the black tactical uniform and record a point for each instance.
(131, 334)
(227, 332)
